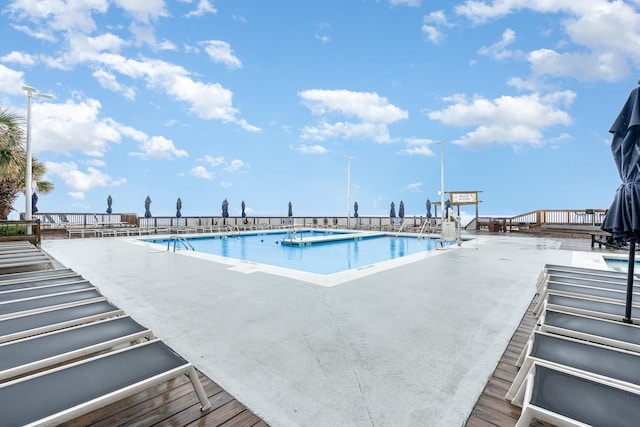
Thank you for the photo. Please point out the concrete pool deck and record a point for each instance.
(412, 345)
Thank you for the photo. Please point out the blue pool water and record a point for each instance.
(320, 258)
(619, 264)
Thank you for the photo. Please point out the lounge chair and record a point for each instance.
(589, 307)
(610, 283)
(44, 282)
(29, 275)
(48, 302)
(602, 331)
(18, 264)
(62, 394)
(17, 244)
(55, 318)
(608, 363)
(579, 272)
(22, 294)
(43, 351)
(565, 398)
(598, 294)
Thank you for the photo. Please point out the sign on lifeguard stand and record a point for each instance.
(465, 198)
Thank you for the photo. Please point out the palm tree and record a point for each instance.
(13, 161)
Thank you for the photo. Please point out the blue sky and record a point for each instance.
(262, 101)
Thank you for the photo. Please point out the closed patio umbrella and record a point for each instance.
(623, 217)
(147, 206)
(401, 209)
(355, 210)
(34, 201)
(392, 212)
(225, 209)
(109, 203)
(178, 207)
(290, 213)
(243, 207)
(429, 208)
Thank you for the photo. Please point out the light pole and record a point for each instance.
(349, 190)
(31, 91)
(441, 180)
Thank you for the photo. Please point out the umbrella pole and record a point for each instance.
(632, 263)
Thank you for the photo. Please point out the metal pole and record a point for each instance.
(27, 184)
(630, 280)
(441, 180)
(349, 190)
(28, 190)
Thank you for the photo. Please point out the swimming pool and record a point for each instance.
(620, 264)
(323, 256)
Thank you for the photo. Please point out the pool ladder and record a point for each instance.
(175, 240)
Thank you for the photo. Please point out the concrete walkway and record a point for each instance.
(410, 346)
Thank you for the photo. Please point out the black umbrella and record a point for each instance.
(429, 208)
(623, 217)
(243, 206)
(178, 207)
(147, 205)
(447, 206)
(392, 213)
(355, 210)
(401, 209)
(225, 209)
(34, 201)
(109, 203)
(290, 213)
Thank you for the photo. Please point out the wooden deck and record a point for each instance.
(173, 403)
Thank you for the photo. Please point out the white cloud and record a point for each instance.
(417, 147)
(604, 36)
(432, 22)
(499, 50)
(607, 66)
(11, 81)
(46, 17)
(204, 6)
(71, 126)
(506, 120)
(159, 147)
(236, 165)
(80, 182)
(201, 172)
(18, 58)
(373, 113)
(212, 161)
(415, 187)
(220, 52)
(312, 149)
(108, 81)
(143, 11)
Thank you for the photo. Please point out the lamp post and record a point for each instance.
(441, 179)
(31, 91)
(349, 190)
